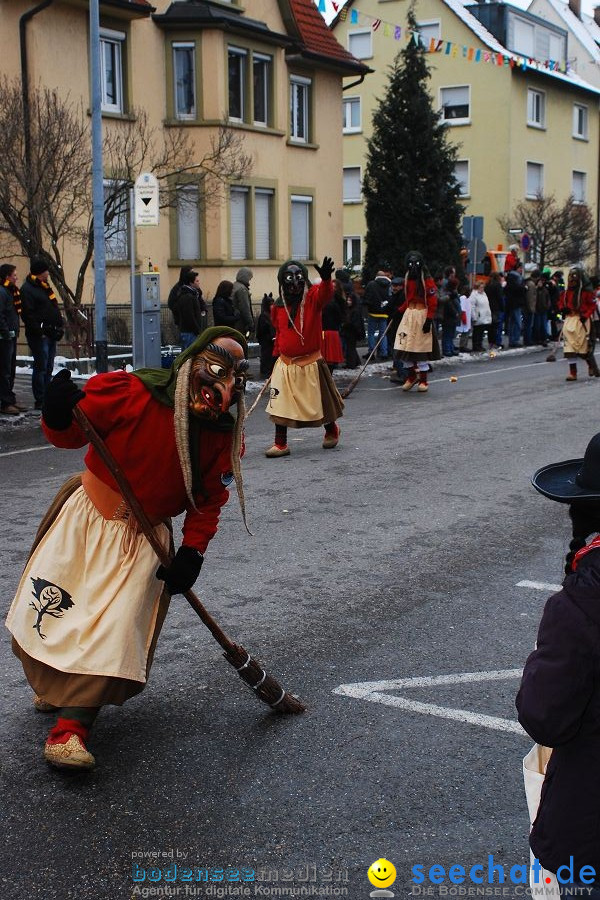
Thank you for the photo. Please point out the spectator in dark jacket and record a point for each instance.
(190, 309)
(223, 311)
(176, 288)
(495, 294)
(377, 301)
(44, 325)
(515, 294)
(265, 335)
(559, 697)
(353, 325)
(242, 301)
(10, 307)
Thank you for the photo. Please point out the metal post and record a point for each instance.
(132, 252)
(98, 191)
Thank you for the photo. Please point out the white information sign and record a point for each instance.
(146, 211)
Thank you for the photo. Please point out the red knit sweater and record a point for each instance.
(139, 432)
(287, 341)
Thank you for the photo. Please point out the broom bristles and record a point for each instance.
(264, 686)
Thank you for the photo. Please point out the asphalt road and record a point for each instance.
(397, 555)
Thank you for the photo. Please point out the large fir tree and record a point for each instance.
(411, 194)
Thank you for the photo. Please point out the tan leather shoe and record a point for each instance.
(422, 387)
(42, 705)
(410, 382)
(277, 451)
(70, 755)
(10, 410)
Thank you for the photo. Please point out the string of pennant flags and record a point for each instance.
(447, 48)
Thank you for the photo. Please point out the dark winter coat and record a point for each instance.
(353, 324)
(41, 315)
(495, 295)
(224, 312)
(377, 296)
(515, 292)
(190, 310)
(559, 706)
(332, 316)
(9, 317)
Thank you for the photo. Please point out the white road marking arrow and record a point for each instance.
(373, 691)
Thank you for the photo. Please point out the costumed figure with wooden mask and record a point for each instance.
(303, 394)
(91, 602)
(416, 341)
(577, 304)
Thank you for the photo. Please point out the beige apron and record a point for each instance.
(295, 392)
(410, 337)
(576, 336)
(88, 599)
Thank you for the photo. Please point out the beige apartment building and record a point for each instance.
(520, 124)
(271, 70)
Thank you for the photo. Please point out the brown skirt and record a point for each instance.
(332, 403)
(68, 689)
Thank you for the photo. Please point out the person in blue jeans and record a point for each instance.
(189, 309)
(44, 325)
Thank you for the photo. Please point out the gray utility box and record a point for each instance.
(146, 320)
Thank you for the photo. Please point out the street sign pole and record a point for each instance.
(98, 193)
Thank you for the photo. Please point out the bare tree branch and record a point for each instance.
(559, 234)
(50, 203)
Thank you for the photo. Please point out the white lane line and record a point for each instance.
(28, 450)
(373, 692)
(469, 375)
(540, 586)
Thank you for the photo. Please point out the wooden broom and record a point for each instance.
(249, 669)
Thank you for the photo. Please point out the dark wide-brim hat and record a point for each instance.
(573, 479)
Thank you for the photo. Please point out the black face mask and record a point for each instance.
(293, 284)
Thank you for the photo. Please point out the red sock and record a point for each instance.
(63, 730)
(332, 430)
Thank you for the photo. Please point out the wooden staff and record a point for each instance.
(355, 381)
(249, 669)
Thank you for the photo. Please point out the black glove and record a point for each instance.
(61, 396)
(427, 326)
(326, 268)
(183, 571)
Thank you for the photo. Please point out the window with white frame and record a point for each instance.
(535, 180)
(580, 121)
(461, 173)
(184, 80)
(352, 254)
(578, 187)
(263, 230)
(116, 221)
(536, 108)
(360, 43)
(301, 226)
(535, 39)
(261, 73)
(238, 215)
(428, 31)
(188, 221)
(352, 185)
(111, 70)
(455, 104)
(299, 108)
(351, 115)
(236, 61)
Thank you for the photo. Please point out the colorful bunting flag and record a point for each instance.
(450, 48)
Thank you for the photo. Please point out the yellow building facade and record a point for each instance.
(519, 129)
(272, 72)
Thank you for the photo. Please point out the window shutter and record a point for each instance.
(262, 224)
(238, 202)
(301, 227)
(188, 222)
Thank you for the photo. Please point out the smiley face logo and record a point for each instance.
(381, 873)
